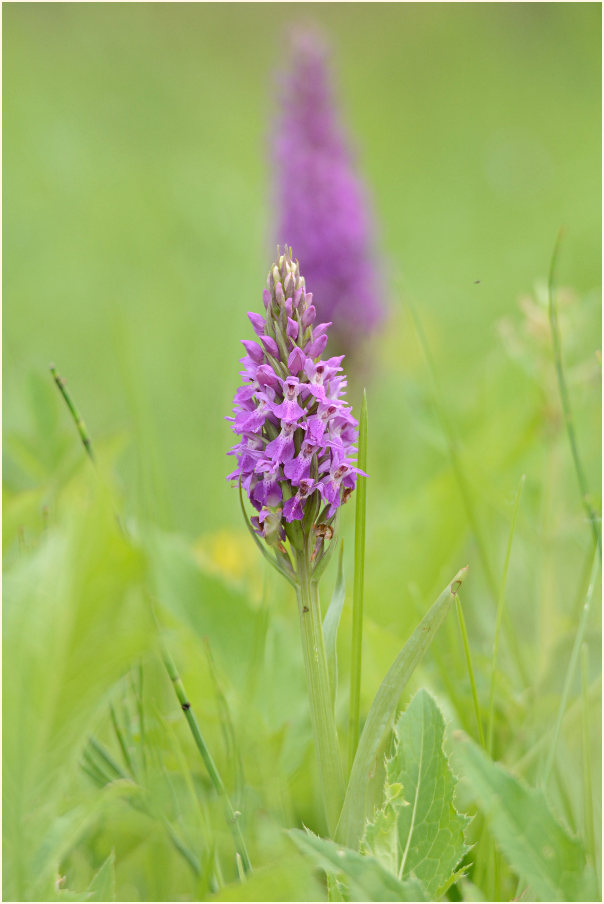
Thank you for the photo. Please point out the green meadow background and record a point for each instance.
(138, 230)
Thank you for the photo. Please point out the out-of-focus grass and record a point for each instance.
(137, 234)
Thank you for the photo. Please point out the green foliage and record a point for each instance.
(77, 618)
(102, 886)
(538, 848)
(366, 878)
(292, 879)
(418, 832)
(137, 223)
(381, 714)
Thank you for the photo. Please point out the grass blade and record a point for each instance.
(466, 646)
(382, 711)
(572, 665)
(587, 783)
(357, 594)
(464, 488)
(499, 617)
(565, 398)
(232, 818)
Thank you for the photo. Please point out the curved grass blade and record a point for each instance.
(383, 708)
(565, 398)
(572, 665)
(465, 490)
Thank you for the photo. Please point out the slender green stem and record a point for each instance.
(317, 677)
(499, 618)
(78, 421)
(107, 759)
(140, 710)
(357, 597)
(572, 717)
(572, 665)
(565, 398)
(215, 777)
(182, 849)
(232, 817)
(121, 740)
(466, 646)
(587, 783)
(465, 491)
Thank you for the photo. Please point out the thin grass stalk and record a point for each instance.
(588, 806)
(121, 740)
(140, 711)
(466, 646)
(232, 818)
(231, 815)
(571, 717)
(358, 587)
(182, 849)
(319, 691)
(570, 672)
(77, 419)
(107, 759)
(464, 489)
(565, 398)
(499, 617)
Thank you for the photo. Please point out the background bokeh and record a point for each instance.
(138, 231)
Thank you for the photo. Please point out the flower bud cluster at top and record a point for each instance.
(296, 454)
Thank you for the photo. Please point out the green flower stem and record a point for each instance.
(357, 599)
(231, 815)
(317, 677)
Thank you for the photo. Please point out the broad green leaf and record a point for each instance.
(75, 618)
(331, 623)
(418, 832)
(102, 886)
(367, 879)
(383, 708)
(536, 845)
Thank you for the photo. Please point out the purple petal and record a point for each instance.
(292, 328)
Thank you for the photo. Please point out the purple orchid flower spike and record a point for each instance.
(296, 462)
(323, 209)
(295, 455)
